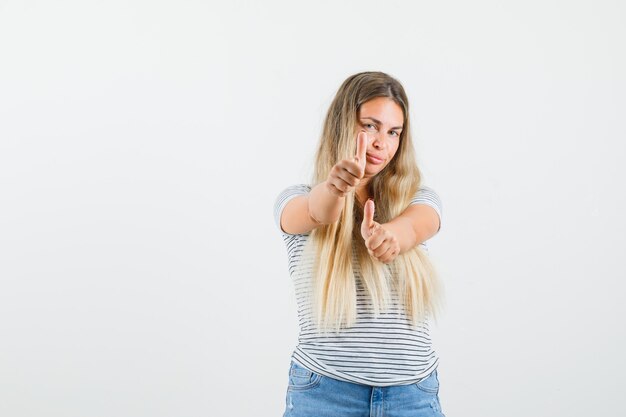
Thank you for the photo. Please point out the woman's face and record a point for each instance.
(382, 119)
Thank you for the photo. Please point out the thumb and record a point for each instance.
(368, 214)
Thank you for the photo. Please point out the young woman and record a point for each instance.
(365, 288)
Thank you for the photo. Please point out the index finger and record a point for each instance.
(361, 146)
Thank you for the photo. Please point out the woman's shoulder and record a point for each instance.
(294, 189)
(300, 186)
(428, 195)
(284, 196)
(424, 187)
(426, 192)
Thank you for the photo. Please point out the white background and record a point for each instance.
(143, 143)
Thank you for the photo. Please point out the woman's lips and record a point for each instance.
(374, 160)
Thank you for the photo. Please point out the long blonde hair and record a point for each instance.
(334, 245)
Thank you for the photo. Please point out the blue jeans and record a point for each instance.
(310, 394)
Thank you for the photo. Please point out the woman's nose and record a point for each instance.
(378, 143)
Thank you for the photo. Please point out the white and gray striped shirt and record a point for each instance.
(381, 351)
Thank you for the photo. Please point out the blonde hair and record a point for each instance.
(334, 279)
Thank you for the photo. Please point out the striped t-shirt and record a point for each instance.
(377, 351)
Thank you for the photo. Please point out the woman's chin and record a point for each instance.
(371, 170)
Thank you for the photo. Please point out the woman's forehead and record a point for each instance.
(382, 110)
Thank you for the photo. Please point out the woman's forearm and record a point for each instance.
(324, 206)
(402, 229)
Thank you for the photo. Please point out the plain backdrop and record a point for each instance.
(143, 144)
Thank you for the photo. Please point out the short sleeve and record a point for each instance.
(283, 198)
(426, 195)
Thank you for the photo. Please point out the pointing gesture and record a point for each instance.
(380, 242)
(347, 173)
(361, 148)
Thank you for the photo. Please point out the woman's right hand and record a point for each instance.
(347, 173)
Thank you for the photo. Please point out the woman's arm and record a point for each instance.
(306, 212)
(323, 205)
(386, 241)
(416, 224)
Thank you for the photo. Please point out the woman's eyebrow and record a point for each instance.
(378, 121)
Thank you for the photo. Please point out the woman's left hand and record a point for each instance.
(380, 242)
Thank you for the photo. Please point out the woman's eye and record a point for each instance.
(368, 125)
(396, 133)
